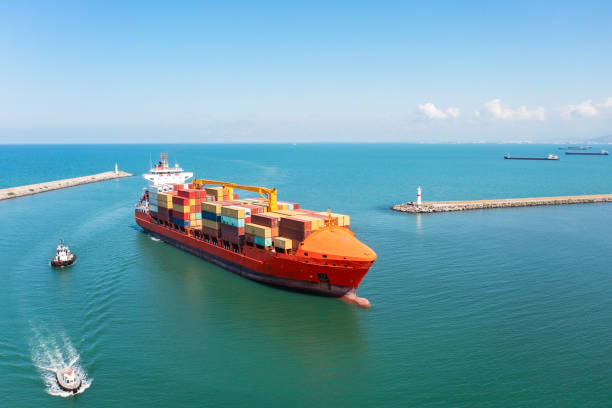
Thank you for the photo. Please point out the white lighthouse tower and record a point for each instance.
(419, 196)
(116, 168)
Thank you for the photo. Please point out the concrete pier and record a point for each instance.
(445, 206)
(14, 192)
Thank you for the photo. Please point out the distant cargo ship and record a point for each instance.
(549, 157)
(602, 153)
(263, 239)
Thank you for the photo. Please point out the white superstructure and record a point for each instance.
(63, 256)
(162, 175)
(68, 379)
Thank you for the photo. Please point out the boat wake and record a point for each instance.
(155, 239)
(49, 354)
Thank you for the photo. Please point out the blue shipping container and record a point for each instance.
(263, 241)
(234, 222)
(211, 216)
(182, 223)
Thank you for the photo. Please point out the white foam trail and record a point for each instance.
(154, 239)
(49, 354)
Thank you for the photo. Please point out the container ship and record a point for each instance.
(263, 239)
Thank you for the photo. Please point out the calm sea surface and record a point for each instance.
(506, 307)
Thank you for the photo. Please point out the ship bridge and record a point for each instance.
(161, 174)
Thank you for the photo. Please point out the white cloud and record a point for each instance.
(495, 110)
(429, 111)
(587, 109)
(453, 112)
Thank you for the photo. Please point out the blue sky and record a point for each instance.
(404, 71)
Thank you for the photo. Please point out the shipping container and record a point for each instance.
(182, 223)
(236, 222)
(264, 242)
(211, 224)
(180, 215)
(266, 219)
(283, 243)
(181, 208)
(295, 235)
(211, 207)
(296, 224)
(258, 230)
(187, 193)
(232, 234)
(233, 211)
(215, 191)
(211, 216)
(289, 212)
(253, 209)
(231, 230)
(315, 222)
(180, 200)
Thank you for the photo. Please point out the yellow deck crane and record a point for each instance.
(267, 193)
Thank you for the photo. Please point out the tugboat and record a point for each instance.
(63, 256)
(68, 380)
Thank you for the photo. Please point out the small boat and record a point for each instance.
(63, 256)
(68, 380)
(602, 153)
(549, 157)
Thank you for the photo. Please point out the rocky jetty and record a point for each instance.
(445, 206)
(14, 192)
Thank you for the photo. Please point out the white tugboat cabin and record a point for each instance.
(68, 379)
(63, 256)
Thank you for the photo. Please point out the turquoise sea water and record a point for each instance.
(506, 307)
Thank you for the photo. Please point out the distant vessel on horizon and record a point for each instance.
(549, 157)
(602, 153)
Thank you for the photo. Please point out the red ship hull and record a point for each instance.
(297, 272)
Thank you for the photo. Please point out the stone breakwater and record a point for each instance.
(14, 192)
(445, 206)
